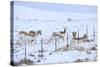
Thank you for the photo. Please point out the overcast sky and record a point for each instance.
(58, 7)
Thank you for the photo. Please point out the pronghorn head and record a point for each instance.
(39, 32)
(74, 34)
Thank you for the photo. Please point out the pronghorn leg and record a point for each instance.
(18, 42)
(32, 41)
(58, 40)
(28, 41)
(55, 43)
(49, 40)
(63, 39)
(35, 40)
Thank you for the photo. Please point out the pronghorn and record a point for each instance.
(60, 34)
(83, 38)
(30, 35)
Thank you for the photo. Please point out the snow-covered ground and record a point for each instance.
(32, 19)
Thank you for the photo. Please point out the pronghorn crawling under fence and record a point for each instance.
(84, 38)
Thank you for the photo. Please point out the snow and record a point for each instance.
(31, 19)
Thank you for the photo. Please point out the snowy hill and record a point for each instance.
(32, 19)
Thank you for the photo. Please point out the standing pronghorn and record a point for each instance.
(22, 37)
(59, 35)
(30, 36)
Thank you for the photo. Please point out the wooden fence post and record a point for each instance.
(93, 33)
(41, 48)
(55, 43)
(25, 51)
(86, 29)
(78, 35)
(67, 39)
(35, 40)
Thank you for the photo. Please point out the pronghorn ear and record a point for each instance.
(65, 27)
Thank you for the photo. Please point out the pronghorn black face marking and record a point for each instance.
(32, 40)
